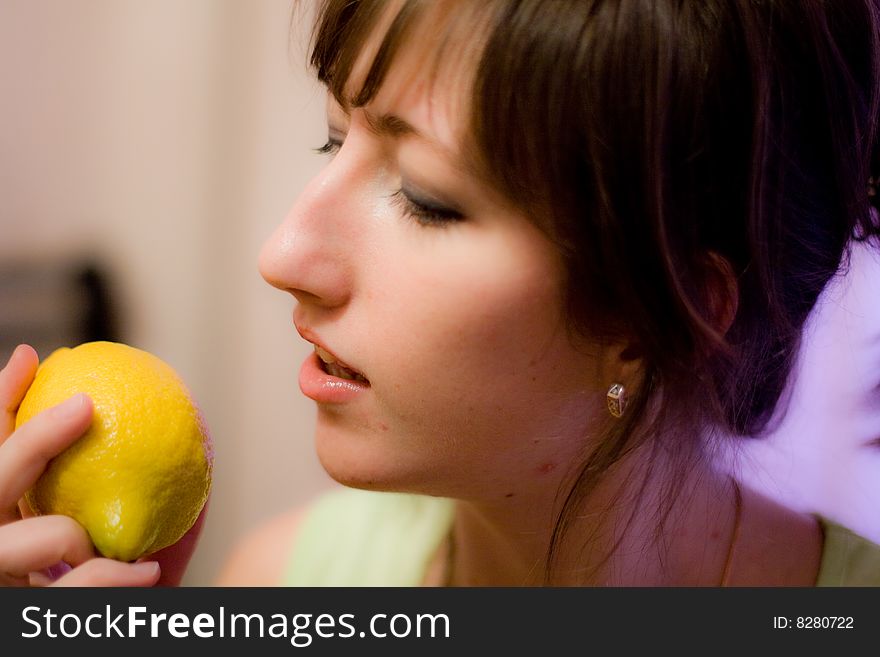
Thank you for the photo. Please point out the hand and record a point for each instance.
(32, 547)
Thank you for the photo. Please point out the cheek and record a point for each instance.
(479, 341)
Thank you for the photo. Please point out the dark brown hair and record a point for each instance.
(691, 157)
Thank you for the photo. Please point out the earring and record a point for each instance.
(616, 400)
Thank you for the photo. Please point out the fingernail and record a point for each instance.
(59, 569)
(70, 407)
(146, 568)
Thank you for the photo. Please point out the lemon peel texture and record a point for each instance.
(139, 477)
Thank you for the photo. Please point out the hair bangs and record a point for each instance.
(451, 31)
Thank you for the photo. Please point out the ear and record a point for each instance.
(722, 290)
(620, 361)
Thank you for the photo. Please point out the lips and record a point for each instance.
(335, 367)
(324, 375)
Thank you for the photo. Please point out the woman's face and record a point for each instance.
(444, 296)
(825, 454)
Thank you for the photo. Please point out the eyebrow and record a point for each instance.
(872, 400)
(390, 125)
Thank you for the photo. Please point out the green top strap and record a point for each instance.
(847, 558)
(359, 538)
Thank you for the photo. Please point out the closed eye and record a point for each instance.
(331, 147)
(424, 211)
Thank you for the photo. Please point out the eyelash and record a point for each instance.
(422, 211)
(330, 148)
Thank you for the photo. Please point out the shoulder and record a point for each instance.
(778, 546)
(848, 558)
(260, 558)
(344, 535)
(791, 548)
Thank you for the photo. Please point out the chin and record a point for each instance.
(359, 458)
(355, 456)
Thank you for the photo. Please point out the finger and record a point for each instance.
(24, 455)
(15, 379)
(107, 572)
(9, 580)
(39, 580)
(48, 575)
(38, 543)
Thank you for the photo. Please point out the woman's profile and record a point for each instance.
(823, 453)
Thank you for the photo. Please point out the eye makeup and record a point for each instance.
(424, 209)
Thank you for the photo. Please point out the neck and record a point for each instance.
(613, 537)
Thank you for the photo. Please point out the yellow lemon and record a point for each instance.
(138, 479)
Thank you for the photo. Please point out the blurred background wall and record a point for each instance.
(159, 143)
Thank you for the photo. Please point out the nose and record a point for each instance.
(310, 254)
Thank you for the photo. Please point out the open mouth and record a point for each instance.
(334, 367)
